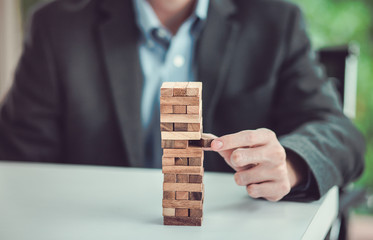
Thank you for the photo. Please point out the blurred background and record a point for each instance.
(340, 30)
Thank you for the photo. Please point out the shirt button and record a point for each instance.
(179, 61)
(162, 33)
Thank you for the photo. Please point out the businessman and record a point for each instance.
(86, 91)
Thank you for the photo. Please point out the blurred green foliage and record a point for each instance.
(339, 22)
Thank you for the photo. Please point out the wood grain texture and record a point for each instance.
(180, 135)
(166, 109)
(189, 101)
(194, 178)
(179, 109)
(195, 161)
(182, 221)
(169, 212)
(183, 169)
(182, 178)
(188, 152)
(167, 127)
(172, 144)
(192, 110)
(196, 213)
(181, 127)
(166, 161)
(182, 212)
(182, 195)
(169, 195)
(169, 178)
(180, 92)
(194, 127)
(166, 92)
(188, 187)
(182, 204)
(195, 196)
(181, 161)
(180, 118)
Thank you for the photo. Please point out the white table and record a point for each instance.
(68, 202)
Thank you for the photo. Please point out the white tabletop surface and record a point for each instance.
(68, 202)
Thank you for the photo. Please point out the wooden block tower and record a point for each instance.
(182, 161)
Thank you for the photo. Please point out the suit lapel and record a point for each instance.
(118, 35)
(214, 53)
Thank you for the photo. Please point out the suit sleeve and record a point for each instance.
(309, 119)
(29, 116)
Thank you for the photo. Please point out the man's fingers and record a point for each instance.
(247, 138)
(255, 174)
(272, 191)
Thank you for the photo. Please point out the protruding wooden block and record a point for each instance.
(181, 204)
(169, 212)
(172, 144)
(182, 212)
(195, 196)
(181, 161)
(194, 178)
(169, 178)
(169, 195)
(189, 101)
(194, 127)
(205, 141)
(182, 178)
(187, 187)
(182, 221)
(180, 118)
(188, 152)
(195, 161)
(166, 109)
(167, 127)
(195, 213)
(181, 127)
(183, 169)
(182, 195)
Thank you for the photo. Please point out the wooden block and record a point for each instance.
(180, 92)
(189, 101)
(183, 170)
(194, 178)
(182, 204)
(195, 161)
(181, 127)
(192, 110)
(195, 213)
(182, 212)
(166, 109)
(169, 195)
(194, 127)
(179, 109)
(195, 196)
(182, 221)
(167, 127)
(169, 212)
(166, 92)
(193, 92)
(187, 187)
(182, 178)
(175, 144)
(166, 161)
(180, 135)
(180, 118)
(205, 141)
(169, 178)
(181, 161)
(182, 195)
(188, 152)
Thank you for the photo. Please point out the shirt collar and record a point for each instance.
(147, 20)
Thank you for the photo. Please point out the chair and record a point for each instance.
(340, 64)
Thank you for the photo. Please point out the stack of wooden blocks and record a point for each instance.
(182, 161)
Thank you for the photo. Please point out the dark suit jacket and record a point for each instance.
(76, 95)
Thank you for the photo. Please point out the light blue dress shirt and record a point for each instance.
(163, 58)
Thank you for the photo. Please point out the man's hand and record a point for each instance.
(260, 162)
